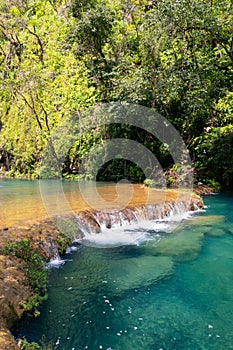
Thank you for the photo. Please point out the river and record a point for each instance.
(25, 200)
(170, 291)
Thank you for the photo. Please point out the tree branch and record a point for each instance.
(41, 56)
(32, 107)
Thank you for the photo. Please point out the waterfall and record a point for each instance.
(92, 222)
(56, 261)
(133, 224)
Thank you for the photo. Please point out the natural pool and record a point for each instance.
(171, 292)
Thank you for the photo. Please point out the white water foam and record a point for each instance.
(72, 249)
(56, 262)
(131, 234)
(135, 233)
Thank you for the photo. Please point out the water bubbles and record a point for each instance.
(56, 262)
(68, 250)
(156, 315)
(72, 249)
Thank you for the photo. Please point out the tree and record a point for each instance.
(34, 89)
(58, 57)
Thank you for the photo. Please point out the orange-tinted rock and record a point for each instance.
(7, 341)
(12, 292)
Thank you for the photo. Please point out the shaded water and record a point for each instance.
(172, 292)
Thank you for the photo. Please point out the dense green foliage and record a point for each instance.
(34, 268)
(59, 57)
(25, 345)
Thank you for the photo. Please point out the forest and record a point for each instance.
(60, 57)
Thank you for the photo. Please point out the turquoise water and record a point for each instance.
(174, 292)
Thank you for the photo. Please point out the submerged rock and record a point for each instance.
(206, 220)
(45, 237)
(216, 232)
(179, 245)
(186, 244)
(139, 272)
(206, 224)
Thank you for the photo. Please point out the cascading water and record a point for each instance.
(131, 225)
(154, 295)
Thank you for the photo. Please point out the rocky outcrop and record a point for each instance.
(196, 202)
(204, 190)
(12, 292)
(92, 221)
(49, 240)
(14, 289)
(7, 341)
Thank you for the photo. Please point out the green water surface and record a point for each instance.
(174, 292)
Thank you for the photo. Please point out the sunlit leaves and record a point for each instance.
(41, 85)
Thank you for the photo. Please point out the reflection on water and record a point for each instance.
(170, 293)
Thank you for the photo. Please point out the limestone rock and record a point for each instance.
(140, 271)
(178, 245)
(7, 341)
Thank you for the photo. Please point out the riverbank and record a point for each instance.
(18, 292)
(205, 190)
(21, 277)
